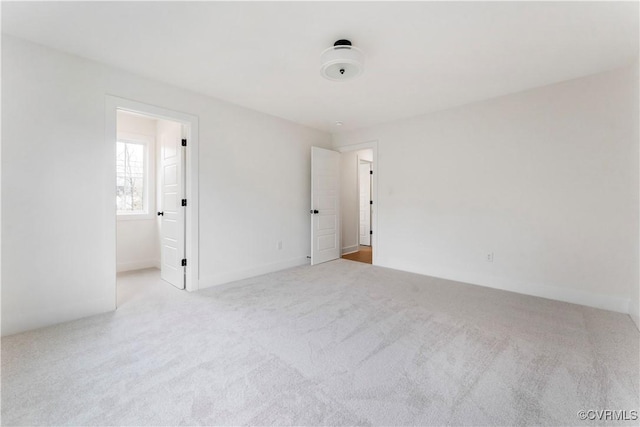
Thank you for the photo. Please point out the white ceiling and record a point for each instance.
(420, 56)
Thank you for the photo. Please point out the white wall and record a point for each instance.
(133, 123)
(137, 242)
(349, 197)
(634, 307)
(547, 180)
(58, 228)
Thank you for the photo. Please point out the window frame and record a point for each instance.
(147, 142)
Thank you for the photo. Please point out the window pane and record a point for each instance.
(130, 175)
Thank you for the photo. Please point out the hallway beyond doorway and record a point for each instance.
(364, 254)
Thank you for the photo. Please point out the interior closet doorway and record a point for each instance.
(150, 190)
(155, 184)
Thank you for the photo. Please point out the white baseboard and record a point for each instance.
(574, 296)
(350, 249)
(137, 265)
(18, 320)
(232, 276)
(634, 312)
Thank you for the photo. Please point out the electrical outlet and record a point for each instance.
(279, 245)
(490, 257)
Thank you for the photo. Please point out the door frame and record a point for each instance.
(373, 145)
(362, 161)
(113, 104)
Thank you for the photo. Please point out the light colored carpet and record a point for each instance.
(341, 343)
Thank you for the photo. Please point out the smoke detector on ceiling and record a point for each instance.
(342, 61)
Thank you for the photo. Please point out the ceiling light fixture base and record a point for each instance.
(342, 61)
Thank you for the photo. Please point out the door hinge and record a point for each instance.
(184, 142)
(370, 231)
(184, 262)
(370, 172)
(370, 202)
(184, 202)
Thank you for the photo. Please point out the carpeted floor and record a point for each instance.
(340, 343)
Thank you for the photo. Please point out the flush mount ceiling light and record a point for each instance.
(341, 61)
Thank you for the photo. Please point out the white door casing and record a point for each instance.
(325, 205)
(364, 170)
(172, 217)
(191, 132)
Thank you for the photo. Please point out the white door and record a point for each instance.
(325, 205)
(171, 212)
(365, 203)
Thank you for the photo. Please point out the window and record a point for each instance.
(132, 177)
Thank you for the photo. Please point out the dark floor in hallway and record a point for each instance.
(364, 254)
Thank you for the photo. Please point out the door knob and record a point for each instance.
(160, 213)
(314, 211)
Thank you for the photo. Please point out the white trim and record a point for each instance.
(350, 249)
(113, 104)
(221, 279)
(121, 267)
(557, 293)
(373, 145)
(28, 320)
(361, 161)
(634, 312)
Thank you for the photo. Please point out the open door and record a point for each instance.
(172, 214)
(325, 205)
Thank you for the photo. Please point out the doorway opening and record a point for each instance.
(150, 185)
(357, 169)
(335, 203)
(155, 174)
